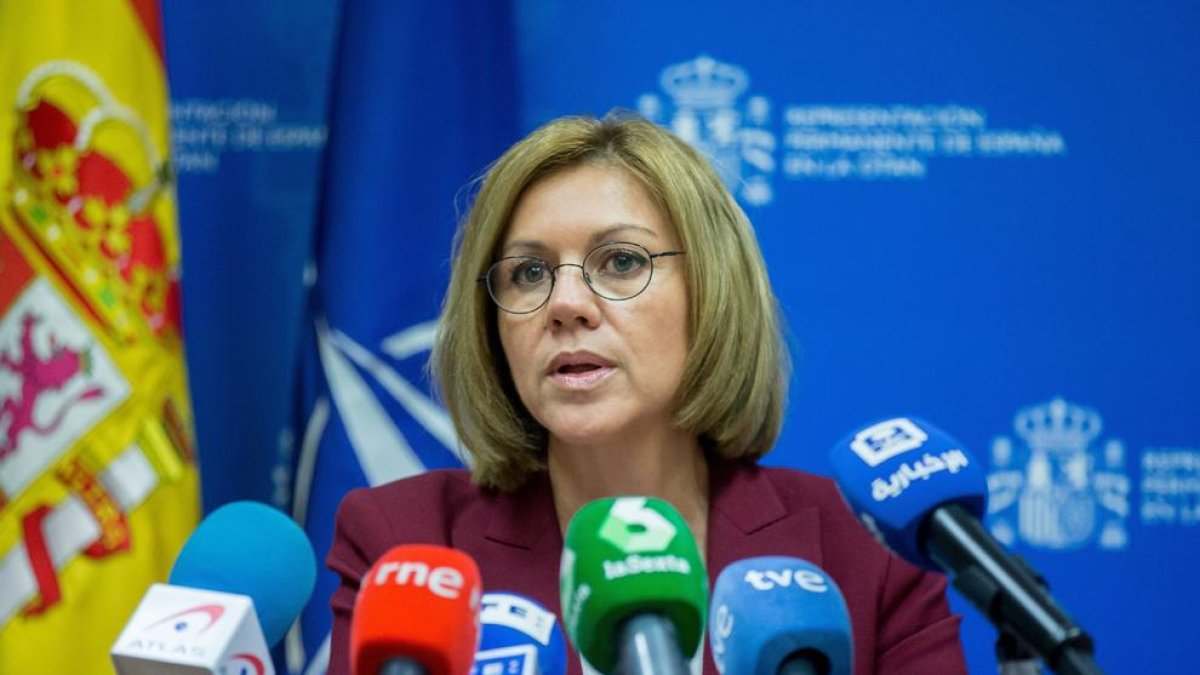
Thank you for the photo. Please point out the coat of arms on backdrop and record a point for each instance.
(1058, 485)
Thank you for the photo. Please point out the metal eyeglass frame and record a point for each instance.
(484, 278)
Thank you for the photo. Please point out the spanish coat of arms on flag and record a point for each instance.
(98, 485)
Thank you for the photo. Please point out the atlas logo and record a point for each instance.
(445, 582)
(880, 442)
(243, 664)
(769, 580)
(190, 621)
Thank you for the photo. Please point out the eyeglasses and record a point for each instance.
(614, 271)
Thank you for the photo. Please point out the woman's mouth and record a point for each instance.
(579, 370)
(580, 376)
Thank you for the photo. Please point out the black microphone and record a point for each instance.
(923, 496)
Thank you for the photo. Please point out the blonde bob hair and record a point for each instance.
(732, 395)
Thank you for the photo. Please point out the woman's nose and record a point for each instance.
(571, 299)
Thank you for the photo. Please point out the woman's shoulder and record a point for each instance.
(819, 487)
(424, 508)
(423, 489)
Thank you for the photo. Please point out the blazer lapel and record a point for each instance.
(522, 544)
(748, 517)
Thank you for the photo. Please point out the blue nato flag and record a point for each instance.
(424, 95)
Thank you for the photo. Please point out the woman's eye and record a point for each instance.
(623, 262)
(529, 273)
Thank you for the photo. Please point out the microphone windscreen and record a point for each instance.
(254, 550)
(419, 602)
(895, 472)
(767, 609)
(625, 556)
(512, 620)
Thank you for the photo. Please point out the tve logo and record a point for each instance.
(446, 582)
(767, 580)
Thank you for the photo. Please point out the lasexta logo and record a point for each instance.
(634, 528)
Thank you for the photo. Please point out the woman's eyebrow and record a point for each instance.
(607, 232)
(597, 237)
(525, 245)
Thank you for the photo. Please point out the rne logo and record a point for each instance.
(445, 582)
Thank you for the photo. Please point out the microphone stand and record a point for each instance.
(1005, 589)
(401, 665)
(1014, 657)
(648, 647)
(804, 662)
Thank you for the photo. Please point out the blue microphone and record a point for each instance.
(519, 637)
(251, 549)
(921, 494)
(237, 585)
(777, 615)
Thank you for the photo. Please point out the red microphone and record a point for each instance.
(417, 612)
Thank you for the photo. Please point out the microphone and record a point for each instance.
(922, 495)
(776, 615)
(417, 612)
(519, 637)
(633, 587)
(239, 582)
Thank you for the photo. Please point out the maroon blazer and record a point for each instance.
(901, 621)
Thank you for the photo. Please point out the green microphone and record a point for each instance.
(633, 587)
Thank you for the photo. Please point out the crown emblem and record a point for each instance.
(1058, 426)
(88, 185)
(704, 82)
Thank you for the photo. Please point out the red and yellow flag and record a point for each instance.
(98, 484)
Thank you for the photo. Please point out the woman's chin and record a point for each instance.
(585, 429)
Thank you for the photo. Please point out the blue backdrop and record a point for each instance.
(981, 215)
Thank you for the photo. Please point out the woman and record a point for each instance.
(610, 330)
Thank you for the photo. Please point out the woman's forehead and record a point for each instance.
(584, 206)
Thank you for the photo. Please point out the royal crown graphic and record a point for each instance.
(87, 187)
(1058, 427)
(704, 83)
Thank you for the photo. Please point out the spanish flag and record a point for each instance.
(98, 483)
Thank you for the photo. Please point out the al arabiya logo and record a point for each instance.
(190, 621)
(1059, 487)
